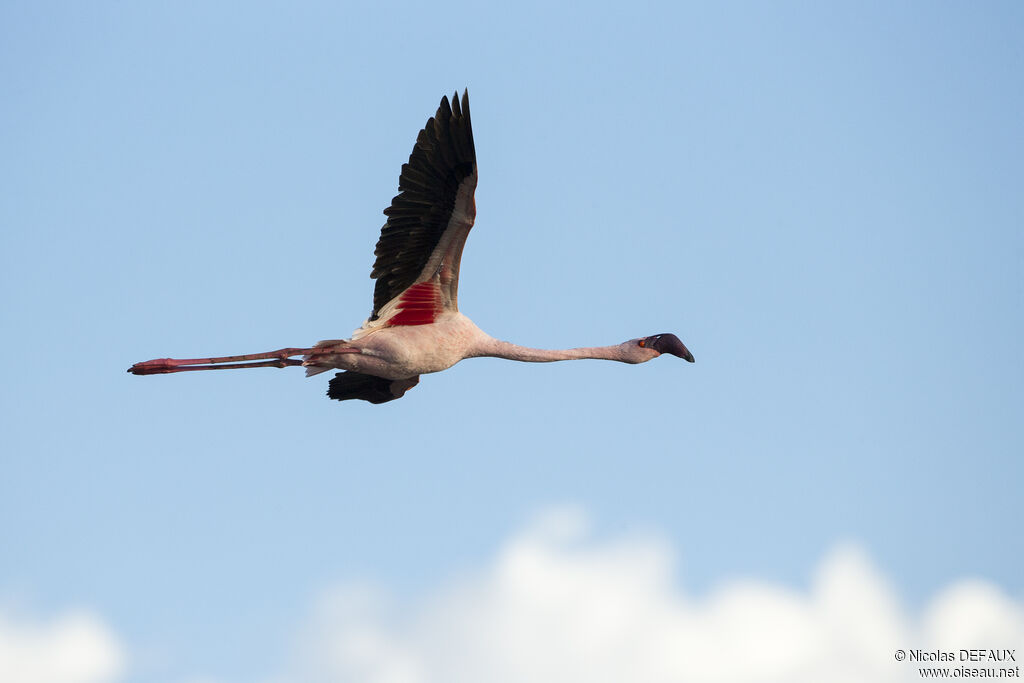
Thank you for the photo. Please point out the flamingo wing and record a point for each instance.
(420, 246)
(349, 385)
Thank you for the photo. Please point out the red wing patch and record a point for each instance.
(418, 305)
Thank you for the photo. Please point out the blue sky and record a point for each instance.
(823, 202)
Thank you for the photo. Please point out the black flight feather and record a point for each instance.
(348, 385)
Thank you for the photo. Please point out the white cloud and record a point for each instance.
(75, 647)
(557, 606)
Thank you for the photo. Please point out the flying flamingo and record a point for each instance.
(416, 327)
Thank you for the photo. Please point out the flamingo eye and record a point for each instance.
(642, 343)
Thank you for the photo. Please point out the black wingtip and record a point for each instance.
(460, 105)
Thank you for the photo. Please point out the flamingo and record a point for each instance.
(415, 326)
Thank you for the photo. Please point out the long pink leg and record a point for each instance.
(281, 359)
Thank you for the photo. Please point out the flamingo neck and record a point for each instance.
(494, 348)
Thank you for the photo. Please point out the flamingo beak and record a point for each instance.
(669, 343)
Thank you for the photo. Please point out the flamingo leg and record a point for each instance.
(161, 366)
(278, 359)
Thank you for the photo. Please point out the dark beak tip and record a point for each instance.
(685, 354)
(670, 343)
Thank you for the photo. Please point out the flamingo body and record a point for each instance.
(403, 351)
(415, 326)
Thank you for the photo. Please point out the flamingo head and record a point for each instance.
(645, 348)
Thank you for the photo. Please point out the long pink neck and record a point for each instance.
(494, 348)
